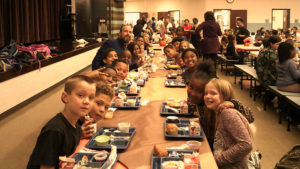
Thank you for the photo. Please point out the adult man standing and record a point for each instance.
(240, 31)
(118, 44)
(160, 26)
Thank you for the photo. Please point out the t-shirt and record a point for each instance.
(288, 74)
(241, 31)
(57, 138)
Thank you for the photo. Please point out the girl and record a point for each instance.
(176, 42)
(232, 141)
(189, 57)
(170, 52)
(137, 60)
(184, 45)
(121, 67)
(288, 74)
(204, 72)
(109, 55)
(230, 49)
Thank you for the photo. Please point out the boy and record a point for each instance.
(122, 68)
(102, 101)
(126, 56)
(61, 135)
(176, 43)
(105, 74)
(170, 52)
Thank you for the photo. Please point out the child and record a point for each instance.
(205, 71)
(224, 43)
(121, 67)
(61, 135)
(180, 32)
(109, 55)
(190, 58)
(184, 45)
(232, 143)
(176, 43)
(137, 59)
(288, 75)
(230, 49)
(102, 101)
(126, 56)
(104, 74)
(170, 52)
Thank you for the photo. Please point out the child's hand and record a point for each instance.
(95, 75)
(87, 129)
(225, 105)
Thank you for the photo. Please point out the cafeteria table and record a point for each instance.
(150, 126)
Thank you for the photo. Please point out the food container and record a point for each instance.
(131, 102)
(172, 119)
(193, 145)
(94, 127)
(102, 140)
(172, 165)
(124, 127)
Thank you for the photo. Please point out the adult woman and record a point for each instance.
(210, 42)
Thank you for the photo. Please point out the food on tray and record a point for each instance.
(119, 102)
(194, 120)
(84, 160)
(174, 104)
(111, 159)
(140, 82)
(131, 102)
(160, 151)
(122, 95)
(173, 66)
(102, 140)
(110, 113)
(184, 107)
(193, 145)
(133, 88)
(172, 165)
(124, 127)
(172, 129)
(101, 156)
(194, 129)
(191, 161)
(66, 163)
(172, 119)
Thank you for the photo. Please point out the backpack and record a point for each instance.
(291, 160)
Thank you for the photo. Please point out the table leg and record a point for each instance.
(250, 86)
(234, 75)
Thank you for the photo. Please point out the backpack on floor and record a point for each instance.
(291, 160)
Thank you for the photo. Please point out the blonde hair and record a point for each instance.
(224, 88)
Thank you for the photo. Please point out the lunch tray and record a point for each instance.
(125, 107)
(171, 77)
(171, 68)
(167, 112)
(182, 134)
(126, 91)
(120, 143)
(156, 162)
(93, 163)
(178, 83)
(142, 85)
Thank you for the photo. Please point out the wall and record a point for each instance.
(258, 10)
(21, 88)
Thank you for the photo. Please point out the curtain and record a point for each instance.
(116, 17)
(29, 21)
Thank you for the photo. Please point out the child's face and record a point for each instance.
(176, 45)
(127, 57)
(110, 76)
(81, 99)
(212, 97)
(136, 50)
(190, 59)
(179, 32)
(122, 71)
(101, 104)
(184, 45)
(170, 52)
(140, 41)
(110, 58)
(195, 91)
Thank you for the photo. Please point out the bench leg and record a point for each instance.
(242, 81)
(250, 86)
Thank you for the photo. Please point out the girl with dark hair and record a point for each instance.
(109, 55)
(210, 43)
(137, 59)
(288, 74)
(266, 62)
(230, 49)
(190, 57)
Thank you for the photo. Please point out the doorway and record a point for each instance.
(131, 18)
(223, 18)
(175, 15)
(235, 14)
(165, 15)
(280, 18)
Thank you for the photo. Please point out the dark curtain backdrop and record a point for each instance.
(29, 21)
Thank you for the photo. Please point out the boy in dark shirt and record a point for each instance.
(241, 32)
(61, 135)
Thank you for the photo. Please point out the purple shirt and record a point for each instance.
(210, 43)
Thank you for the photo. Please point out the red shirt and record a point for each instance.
(187, 27)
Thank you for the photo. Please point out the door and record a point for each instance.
(144, 14)
(234, 14)
(280, 18)
(165, 15)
